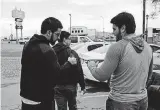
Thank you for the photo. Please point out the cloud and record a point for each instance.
(84, 13)
(23, 1)
(87, 2)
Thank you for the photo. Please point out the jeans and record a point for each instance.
(136, 105)
(46, 105)
(154, 96)
(64, 94)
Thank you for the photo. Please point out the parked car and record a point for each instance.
(24, 40)
(99, 55)
(95, 55)
(156, 54)
(77, 46)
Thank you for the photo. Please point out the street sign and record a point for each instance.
(19, 23)
(19, 27)
(18, 19)
(18, 14)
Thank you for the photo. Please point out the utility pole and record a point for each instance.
(103, 25)
(70, 22)
(144, 15)
(16, 36)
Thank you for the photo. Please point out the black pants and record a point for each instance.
(47, 105)
(64, 94)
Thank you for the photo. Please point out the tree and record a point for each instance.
(156, 8)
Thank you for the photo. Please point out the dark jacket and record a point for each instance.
(74, 74)
(40, 69)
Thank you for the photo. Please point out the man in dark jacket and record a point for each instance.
(66, 88)
(40, 67)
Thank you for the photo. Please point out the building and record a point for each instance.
(91, 33)
(79, 30)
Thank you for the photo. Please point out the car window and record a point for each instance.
(92, 47)
(74, 39)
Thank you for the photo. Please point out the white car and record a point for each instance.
(77, 46)
(99, 54)
(24, 40)
(156, 57)
(96, 55)
(156, 54)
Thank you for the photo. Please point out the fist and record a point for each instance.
(72, 60)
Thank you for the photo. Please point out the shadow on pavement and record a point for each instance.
(93, 87)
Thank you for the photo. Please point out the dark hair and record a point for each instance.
(126, 19)
(50, 23)
(64, 34)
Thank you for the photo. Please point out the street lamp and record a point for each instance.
(103, 25)
(10, 38)
(144, 12)
(147, 27)
(70, 22)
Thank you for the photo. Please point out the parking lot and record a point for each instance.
(94, 98)
(10, 83)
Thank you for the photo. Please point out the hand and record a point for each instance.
(72, 60)
(92, 64)
(83, 91)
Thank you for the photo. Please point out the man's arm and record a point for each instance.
(109, 65)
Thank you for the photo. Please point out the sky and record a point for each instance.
(89, 13)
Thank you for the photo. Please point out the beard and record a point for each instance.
(118, 37)
(52, 41)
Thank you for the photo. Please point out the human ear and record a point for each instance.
(49, 33)
(123, 29)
